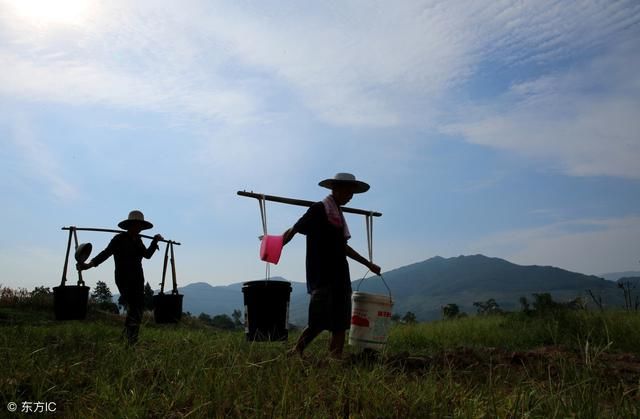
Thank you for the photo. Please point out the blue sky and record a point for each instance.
(504, 128)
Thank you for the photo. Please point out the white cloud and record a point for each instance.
(127, 57)
(372, 64)
(382, 64)
(585, 120)
(584, 245)
(363, 63)
(79, 83)
(349, 62)
(43, 165)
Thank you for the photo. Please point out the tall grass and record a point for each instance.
(431, 370)
(617, 330)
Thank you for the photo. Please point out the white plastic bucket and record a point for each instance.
(370, 320)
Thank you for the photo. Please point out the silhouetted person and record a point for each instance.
(128, 250)
(327, 268)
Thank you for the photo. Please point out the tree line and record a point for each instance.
(541, 303)
(102, 299)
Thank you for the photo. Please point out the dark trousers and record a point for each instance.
(330, 309)
(135, 308)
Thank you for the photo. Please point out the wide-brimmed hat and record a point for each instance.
(135, 217)
(346, 179)
(83, 251)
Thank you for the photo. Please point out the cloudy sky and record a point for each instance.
(507, 128)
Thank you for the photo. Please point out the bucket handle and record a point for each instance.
(173, 272)
(66, 258)
(381, 277)
(369, 226)
(173, 269)
(262, 202)
(164, 268)
(72, 234)
(368, 219)
(75, 239)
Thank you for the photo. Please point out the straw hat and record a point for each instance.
(135, 217)
(83, 251)
(345, 179)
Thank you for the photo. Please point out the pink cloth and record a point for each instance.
(335, 216)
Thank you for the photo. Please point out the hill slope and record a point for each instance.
(201, 297)
(614, 276)
(426, 286)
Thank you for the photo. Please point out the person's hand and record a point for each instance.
(158, 237)
(374, 268)
(82, 266)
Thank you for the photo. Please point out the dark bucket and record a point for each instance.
(167, 308)
(70, 302)
(266, 310)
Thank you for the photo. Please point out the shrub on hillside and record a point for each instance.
(102, 299)
(452, 311)
(220, 321)
(105, 306)
(40, 298)
(14, 297)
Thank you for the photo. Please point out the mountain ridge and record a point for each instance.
(614, 276)
(424, 287)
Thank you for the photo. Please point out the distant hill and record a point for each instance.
(201, 297)
(614, 276)
(426, 286)
(633, 280)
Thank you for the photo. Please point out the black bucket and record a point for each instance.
(167, 308)
(70, 302)
(266, 310)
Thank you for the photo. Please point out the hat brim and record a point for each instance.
(126, 224)
(355, 185)
(83, 251)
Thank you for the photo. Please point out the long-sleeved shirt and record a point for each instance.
(326, 260)
(127, 254)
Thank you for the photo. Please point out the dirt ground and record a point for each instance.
(623, 367)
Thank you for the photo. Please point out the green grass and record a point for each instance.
(574, 364)
(617, 329)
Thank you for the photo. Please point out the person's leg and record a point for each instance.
(336, 344)
(132, 322)
(122, 301)
(307, 336)
(340, 303)
(316, 322)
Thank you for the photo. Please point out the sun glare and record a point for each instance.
(65, 12)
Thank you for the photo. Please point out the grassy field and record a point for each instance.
(569, 364)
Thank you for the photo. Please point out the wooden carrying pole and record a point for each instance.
(106, 230)
(304, 203)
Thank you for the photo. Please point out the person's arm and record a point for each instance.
(100, 257)
(306, 224)
(153, 246)
(288, 235)
(359, 258)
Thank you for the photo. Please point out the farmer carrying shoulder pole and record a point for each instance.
(128, 250)
(327, 268)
